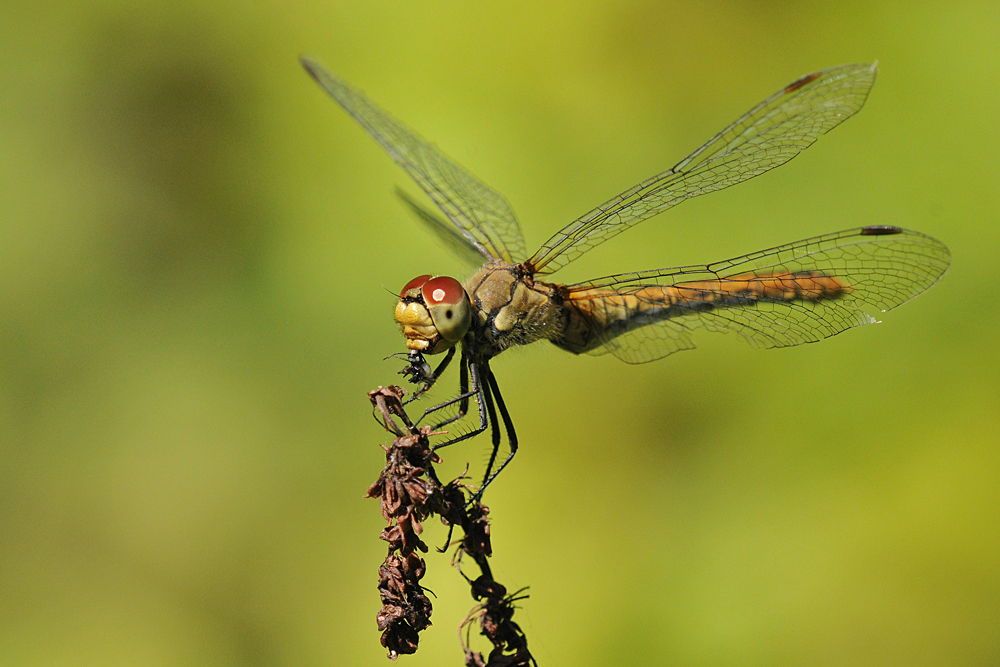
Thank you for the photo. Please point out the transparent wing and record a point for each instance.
(445, 231)
(796, 293)
(481, 214)
(769, 135)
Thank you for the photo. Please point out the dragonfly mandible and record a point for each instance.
(796, 293)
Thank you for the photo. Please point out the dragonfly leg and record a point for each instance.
(493, 390)
(464, 395)
(478, 390)
(461, 399)
(428, 381)
(495, 433)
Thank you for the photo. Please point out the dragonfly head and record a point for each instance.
(434, 313)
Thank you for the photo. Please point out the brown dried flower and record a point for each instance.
(409, 492)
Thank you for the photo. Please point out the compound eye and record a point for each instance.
(442, 290)
(449, 307)
(412, 288)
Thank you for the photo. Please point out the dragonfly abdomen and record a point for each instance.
(596, 316)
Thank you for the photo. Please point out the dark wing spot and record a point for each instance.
(809, 78)
(448, 314)
(880, 230)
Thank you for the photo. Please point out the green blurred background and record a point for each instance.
(196, 253)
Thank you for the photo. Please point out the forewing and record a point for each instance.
(481, 214)
(770, 134)
(880, 267)
(443, 230)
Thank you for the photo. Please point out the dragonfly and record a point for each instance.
(796, 293)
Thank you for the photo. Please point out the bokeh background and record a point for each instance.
(197, 249)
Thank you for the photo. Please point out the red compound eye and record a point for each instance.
(443, 290)
(412, 288)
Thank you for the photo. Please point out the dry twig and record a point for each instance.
(410, 492)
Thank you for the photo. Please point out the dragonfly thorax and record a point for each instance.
(433, 313)
(511, 308)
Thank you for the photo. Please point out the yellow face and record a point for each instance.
(434, 313)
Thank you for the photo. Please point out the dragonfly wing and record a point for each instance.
(445, 231)
(770, 134)
(481, 215)
(796, 293)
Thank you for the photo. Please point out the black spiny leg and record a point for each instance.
(495, 432)
(463, 399)
(493, 390)
(464, 394)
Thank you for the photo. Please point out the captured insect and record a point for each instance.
(796, 293)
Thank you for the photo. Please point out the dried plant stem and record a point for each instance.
(410, 492)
